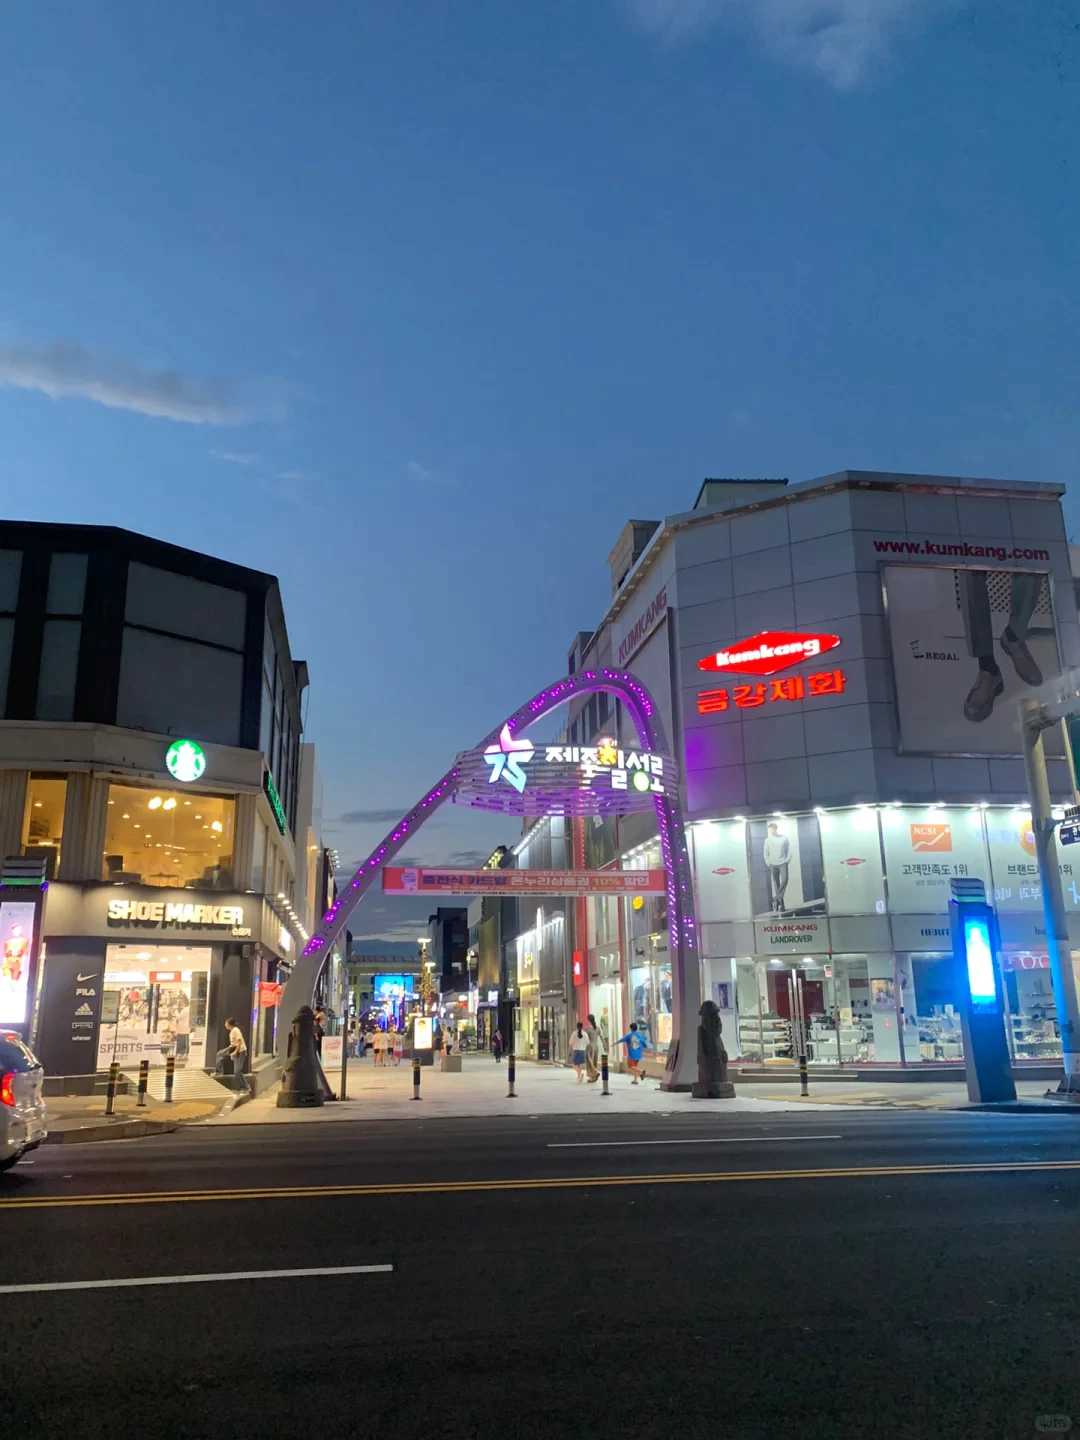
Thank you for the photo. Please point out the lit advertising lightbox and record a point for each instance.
(967, 645)
(16, 953)
(926, 848)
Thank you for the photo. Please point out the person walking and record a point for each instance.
(497, 1045)
(579, 1050)
(320, 1030)
(594, 1051)
(635, 1051)
(235, 1050)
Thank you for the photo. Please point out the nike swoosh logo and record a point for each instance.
(80, 978)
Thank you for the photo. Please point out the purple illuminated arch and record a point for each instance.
(686, 981)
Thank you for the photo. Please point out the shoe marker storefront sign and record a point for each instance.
(166, 914)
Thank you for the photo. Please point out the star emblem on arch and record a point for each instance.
(508, 758)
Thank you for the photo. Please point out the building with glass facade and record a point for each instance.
(838, 666)
(150, 729)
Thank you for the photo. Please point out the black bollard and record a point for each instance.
(170, 1075)
(110, 1093)
(511, 1075)
(604, 1075)
(804, 1087)
(144, 1080)
(416, 1077)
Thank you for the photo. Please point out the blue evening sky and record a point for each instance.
(414, 304)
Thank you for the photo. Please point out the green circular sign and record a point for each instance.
(185, 760)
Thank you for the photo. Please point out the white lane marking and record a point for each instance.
(722, 1140)
(197, 1279)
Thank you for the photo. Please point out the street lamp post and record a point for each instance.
(1035, 720)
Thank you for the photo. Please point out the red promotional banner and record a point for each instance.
(269, 994)
(418, 880)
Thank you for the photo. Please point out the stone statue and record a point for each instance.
(712, 1082)
(302, 1080)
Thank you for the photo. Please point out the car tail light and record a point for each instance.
(7, 1088)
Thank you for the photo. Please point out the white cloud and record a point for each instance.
(424, 474)
(843, 40)
(235, 457)
(64, 370)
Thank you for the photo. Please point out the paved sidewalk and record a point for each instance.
(82, 1117)
(385, 1093)
(901, 1095)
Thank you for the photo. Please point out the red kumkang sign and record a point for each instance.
(768, 652)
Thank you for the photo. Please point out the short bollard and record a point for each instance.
(804, 1087)
(604, 1075)
(170, 1076)
(110, 1093)
(416, 1077)
(511, 1075)
(144, 1078)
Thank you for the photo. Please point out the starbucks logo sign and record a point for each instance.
(185, 760)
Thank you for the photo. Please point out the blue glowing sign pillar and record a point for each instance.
(980, 988)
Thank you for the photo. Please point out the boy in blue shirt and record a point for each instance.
(635, 1051)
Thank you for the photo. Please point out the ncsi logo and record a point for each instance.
(931, 837)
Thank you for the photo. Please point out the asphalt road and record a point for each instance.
(833, 1275)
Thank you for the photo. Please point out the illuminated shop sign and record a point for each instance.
(167, 912)
(519, 777)
(185, 760)
(270, 791)
(788, 690)
(768, 652)
(622, 769)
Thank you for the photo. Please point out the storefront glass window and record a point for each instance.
(43, 820)
(154, 1005)
(168, 837)
(1029, 999)
(937, 1010)
(650, 989)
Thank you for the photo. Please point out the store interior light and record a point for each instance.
(169, 804)
(154, 803)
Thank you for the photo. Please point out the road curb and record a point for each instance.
(1027, 1107)
(123, 1130)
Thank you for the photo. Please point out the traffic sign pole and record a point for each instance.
(1034, 723)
